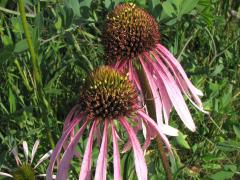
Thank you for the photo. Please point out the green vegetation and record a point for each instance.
(40, 83)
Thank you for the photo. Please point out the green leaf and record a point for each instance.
(6, 53)
(188, 6)
(181, 139)
(212, 166)
(230, 167)
(168, 8)
(236, 131)
(21, 46)
(58, 23)
(7, 41)
(222, 175)
(12, 101)
(74, 5)
(218, 70)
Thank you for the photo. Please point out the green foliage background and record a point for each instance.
(66, 35)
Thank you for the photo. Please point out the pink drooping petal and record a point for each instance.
(98, 135)
(179, 67)
(166, 102)
(70, 117)
(155, 127)
(69, 153)
(87, 158)
(182, 79)
(133, 76)
(174, 94)
(148, 138)
(58, 148)
(140, 164)
(116, 65)
(136, 128)
(66, 124)
(101, 169)
(116, 156)
(153, 87)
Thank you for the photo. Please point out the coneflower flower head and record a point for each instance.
(131, 33)
(108, 98)
(108, 94)
(26, 170)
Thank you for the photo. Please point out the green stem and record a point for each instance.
(148, 98)
(36, 71)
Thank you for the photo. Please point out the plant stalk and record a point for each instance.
(36, 70)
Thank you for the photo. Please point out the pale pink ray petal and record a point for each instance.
(72, 134)
(133, 76)
(116, 156)
(58, 147)
(116, 65)
(121, 65)
(25, 150)
(175, 62)
(34, 149)
(140, 164)
(153, 87)
(15, 154)
(155, 127)
(6, 174)
(70, 117)
(182, 82)
(169, 130)
(45, 175)
(101, 169)
(69, 153)
(136, 128)
(148, 139)
(43, 158)
(85, 172)
(175, 96)
(98, 135)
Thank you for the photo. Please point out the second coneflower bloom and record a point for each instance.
(131, 38)
(107, 100)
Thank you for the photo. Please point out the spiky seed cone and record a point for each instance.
(24, 172)
(108, 94)
(129, 31)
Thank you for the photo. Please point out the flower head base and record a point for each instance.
(108, 94)
(129, 31)
(24, 172)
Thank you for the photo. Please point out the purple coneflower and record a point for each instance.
(131, 37)
(108, 100)
(26, 169)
